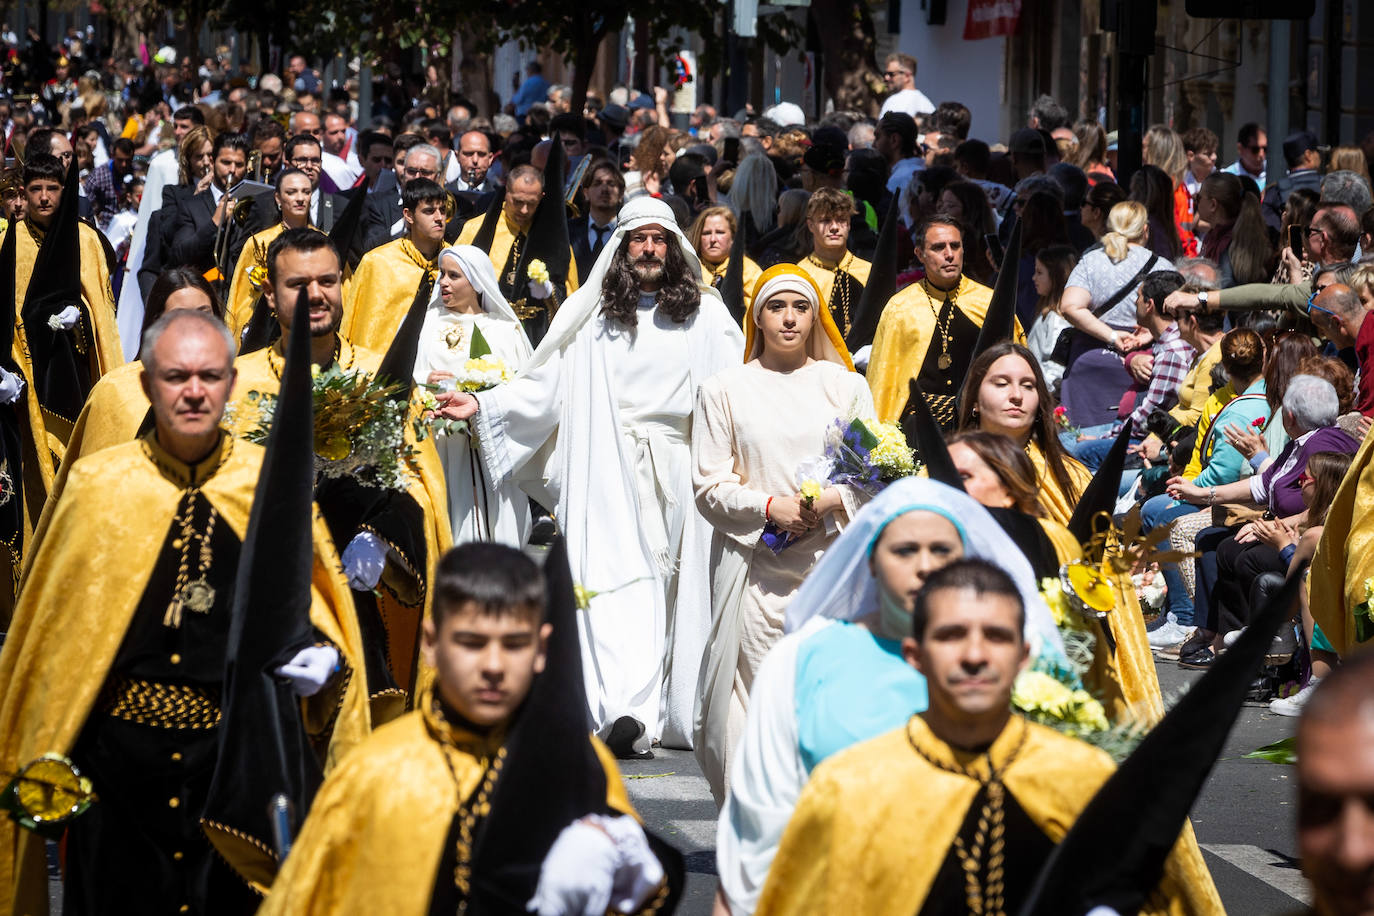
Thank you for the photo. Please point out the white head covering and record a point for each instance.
(841, 586)
(476, 266)
(582, 305)
(825, 342)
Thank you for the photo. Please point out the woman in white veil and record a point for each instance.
(467, 309)
(838, 677)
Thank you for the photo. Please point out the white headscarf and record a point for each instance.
(842, 586)
(584, 304)
(476, 266)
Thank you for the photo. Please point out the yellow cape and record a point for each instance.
(85, 576)
(501, 241)
(1057, 503)
(381, 293)
(402, 609)
(112, 414)
(1344, 561)
(101, 340)
(376, 830)
(238, 308)
(709, 273)
(905, 329)
(1125, 681)
(876, 820)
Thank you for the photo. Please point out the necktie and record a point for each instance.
(601, 232)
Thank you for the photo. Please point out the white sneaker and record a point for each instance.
(1292, 706)
(1171, 634)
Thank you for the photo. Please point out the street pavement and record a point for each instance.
(1244, 818)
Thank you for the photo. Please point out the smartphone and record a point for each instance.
(1295, 239)
(994, 248)
(731, 152)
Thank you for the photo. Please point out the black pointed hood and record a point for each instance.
(999, 323)
(398, 365)
(62, 372)
(262, 328)
(486, 233)
(926, 438)
(732, 284)
(881, 285)
(263, 747)
(552, 776)
(346, 234)
(547, 238)
(8, 304)
(1100, 864)
(1102, 492)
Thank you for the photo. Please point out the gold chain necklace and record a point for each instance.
(277, 363)
(945, 360)
(196, 595)
(839, 290)
(983, 899)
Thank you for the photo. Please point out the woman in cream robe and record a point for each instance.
(467, 298)
(752, 426)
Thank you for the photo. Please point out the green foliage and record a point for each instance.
(1284, 751)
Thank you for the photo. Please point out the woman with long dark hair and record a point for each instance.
(1005, 393)
(1042, 225)
(1237, 240)
(1053, 264)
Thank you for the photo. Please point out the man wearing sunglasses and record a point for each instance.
(1252, 151)
(899, 75)
(1330, 243)
(1340, 316)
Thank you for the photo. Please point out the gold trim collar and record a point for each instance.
(188, 476)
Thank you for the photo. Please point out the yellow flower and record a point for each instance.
(1053, 593)
(1088, 712)
(892, 454)
(537, 271)
(1038, 692)
(810, 491)
(1369, 591)
(428, 401)
(314, 370)
(257, 276)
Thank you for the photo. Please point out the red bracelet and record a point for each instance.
(766, 506)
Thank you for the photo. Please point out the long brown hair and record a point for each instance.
(1010, 463)
(1327, 470)
(1042, 427)
(678, 298)
(1282, 364)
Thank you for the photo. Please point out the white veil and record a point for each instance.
(477, 268)
(582, 305)
(841, 586)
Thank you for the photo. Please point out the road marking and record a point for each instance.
(1275, 870)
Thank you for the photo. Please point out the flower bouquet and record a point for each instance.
(360, 427)
(864, 454)
(481, 372)
(1151, 588)
(1061, 419)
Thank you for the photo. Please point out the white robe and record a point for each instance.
(574, 434)
(478, 509)
(163, 169)
(751, 430)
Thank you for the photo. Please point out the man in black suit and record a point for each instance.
(200, 217)
(604, 187)
(382, 221)
(161, 226)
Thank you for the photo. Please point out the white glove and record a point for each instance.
(860, 356)
(541, 290)
(364, 559)
(597, 863)
(10, 386)
(311, 669)
(66, 319)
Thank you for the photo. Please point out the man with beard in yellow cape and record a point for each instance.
(389, 540)
(116, 656)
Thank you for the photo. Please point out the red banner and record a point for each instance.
(991, 18)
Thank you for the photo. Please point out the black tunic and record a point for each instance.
(140, 848)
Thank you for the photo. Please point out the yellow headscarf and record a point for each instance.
(825, 342)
